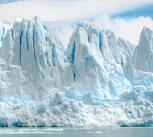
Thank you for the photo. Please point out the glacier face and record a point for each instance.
(96, 80)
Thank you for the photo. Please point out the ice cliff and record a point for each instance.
(97, 79)
(144, 51)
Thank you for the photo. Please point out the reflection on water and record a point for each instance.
(76, 132)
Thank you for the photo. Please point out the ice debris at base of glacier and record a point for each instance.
(84, 77)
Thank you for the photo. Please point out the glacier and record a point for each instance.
(71, 75)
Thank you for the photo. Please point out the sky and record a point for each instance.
(125, 17)
(143, 10)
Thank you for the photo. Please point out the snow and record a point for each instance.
(77, 75)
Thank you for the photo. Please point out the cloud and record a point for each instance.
(72, 10)
(127, 28)
(53, 10)
(130, 29)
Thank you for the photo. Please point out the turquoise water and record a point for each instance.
(77, 132)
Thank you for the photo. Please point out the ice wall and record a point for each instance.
(97, 79)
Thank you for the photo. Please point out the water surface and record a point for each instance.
(76, 132)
